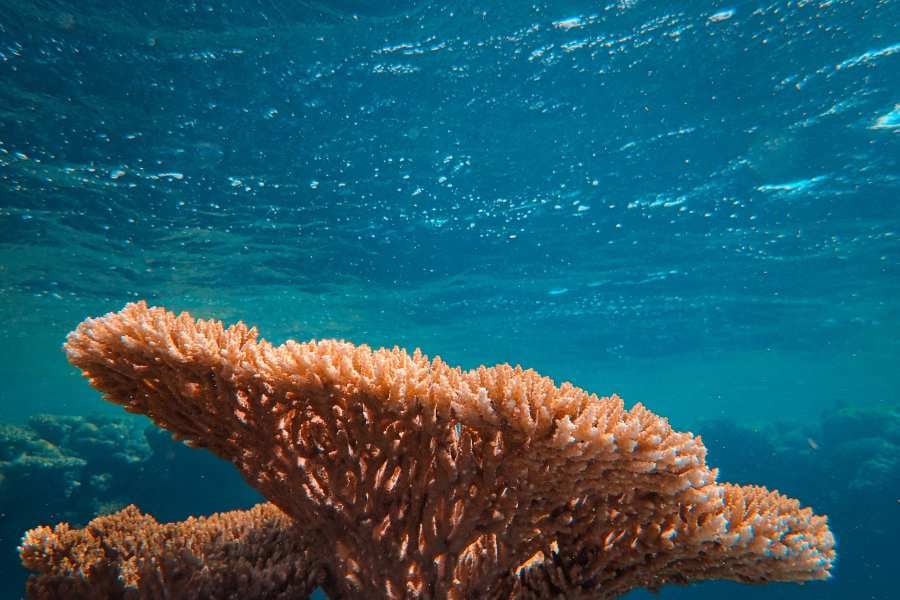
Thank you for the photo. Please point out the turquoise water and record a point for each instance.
(691, 204)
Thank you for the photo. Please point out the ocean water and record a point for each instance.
(695, 205)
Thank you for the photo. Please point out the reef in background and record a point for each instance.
(73, 468)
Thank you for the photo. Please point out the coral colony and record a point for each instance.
(391, 475)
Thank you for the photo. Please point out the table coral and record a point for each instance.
(430, 481)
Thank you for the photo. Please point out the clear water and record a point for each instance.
(692, 204)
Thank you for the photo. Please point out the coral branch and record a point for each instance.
(256, 553)
(429, 481)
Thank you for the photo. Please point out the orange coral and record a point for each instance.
(256, 553)
(429, 481)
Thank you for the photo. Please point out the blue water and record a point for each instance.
(691, 204)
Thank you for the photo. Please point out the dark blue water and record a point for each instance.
(692, 204)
